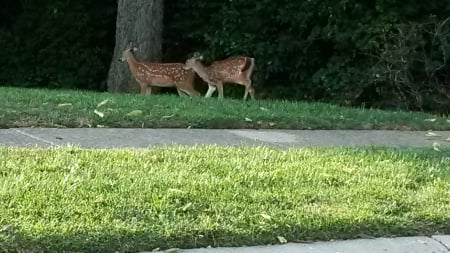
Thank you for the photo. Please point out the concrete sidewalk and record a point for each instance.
(110, 137)
(418, 244)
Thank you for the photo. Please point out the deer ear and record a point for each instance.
(130, 44)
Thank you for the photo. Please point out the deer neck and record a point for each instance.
(201, 71)
(132, 62)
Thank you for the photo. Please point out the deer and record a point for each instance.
(237, 69)
(149, 74)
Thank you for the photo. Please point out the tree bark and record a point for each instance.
(141, 22)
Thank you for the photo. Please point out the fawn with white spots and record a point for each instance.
(238, 69)
(149, 74)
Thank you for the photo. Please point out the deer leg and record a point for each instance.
(252, 92)
(181, 92)
(149, 90)
(220, 89)
(246, 92)
(249, 90)
(211, 89)
(191, 92)
(143, 88)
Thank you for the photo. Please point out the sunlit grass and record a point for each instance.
(63, 108)
(78, 200)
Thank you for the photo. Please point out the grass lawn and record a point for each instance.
(79, 200)
(62, 108)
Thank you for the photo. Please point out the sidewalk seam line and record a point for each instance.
(34, 137)
(441, 243)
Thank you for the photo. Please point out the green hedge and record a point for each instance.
(56, 43)
(347, 52)
(378, 53)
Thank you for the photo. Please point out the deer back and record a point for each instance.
(230, 68)
(163, 73)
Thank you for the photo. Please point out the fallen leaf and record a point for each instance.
(173, 250)
(101, 126)
(348, 170)
(186, 207)
(248, 120)
(281, 239)
(7, 228)
(263, 109)
(430, 120)
(103, 103)
(65, 104)
(265, 216)
(175, 190)
(168, 116)
(272, 124)
(135, 113)
(436, 146)
(422, 241)
(99, 113)
(431, 134)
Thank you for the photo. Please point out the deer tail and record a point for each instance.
(249, 67)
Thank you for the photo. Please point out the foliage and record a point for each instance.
(375, 53)
(135, 200)
(279, 34)
(57, 43)
(413, 64)
(329, 50)
(49, 108)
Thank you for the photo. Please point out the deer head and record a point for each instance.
(126, 53)
(192, 61)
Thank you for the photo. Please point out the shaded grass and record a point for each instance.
(62, 108)
(70, 199)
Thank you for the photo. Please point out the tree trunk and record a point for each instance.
(139, 21)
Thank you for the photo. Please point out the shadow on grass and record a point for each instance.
(15, 240)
